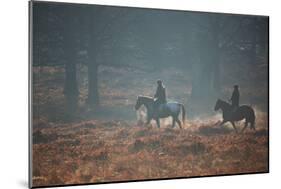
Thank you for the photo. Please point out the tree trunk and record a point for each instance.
(266, 51)
(93, 93)
(217, 81)
(206, 72)
(70, 87)
(216, 68)
(216, 58)
(253, 43)
(203, 92)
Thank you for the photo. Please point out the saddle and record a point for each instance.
(233, 111)
(160, 108)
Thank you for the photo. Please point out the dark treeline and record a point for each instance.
(67, 35)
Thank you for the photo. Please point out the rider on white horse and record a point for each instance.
(159, 97)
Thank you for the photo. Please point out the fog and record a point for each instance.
(109, 55)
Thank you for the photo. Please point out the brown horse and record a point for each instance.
(242, 112)
(169, 109)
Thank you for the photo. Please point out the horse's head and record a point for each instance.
(138, 103)
(143, 100)
(218, 105)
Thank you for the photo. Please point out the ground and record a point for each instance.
(112, 144)
(93, 151)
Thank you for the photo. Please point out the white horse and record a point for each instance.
(165, 110)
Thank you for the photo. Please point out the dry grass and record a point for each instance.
(94, 149)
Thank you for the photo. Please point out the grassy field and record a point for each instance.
(94, 151)
(98, 147)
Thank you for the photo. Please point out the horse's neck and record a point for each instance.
(148, 104)
(225, 107)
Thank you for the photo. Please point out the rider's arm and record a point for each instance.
(232, 96)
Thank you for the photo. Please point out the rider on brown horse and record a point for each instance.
(160, 96)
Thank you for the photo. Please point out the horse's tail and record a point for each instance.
(253, 123)
(183, 113)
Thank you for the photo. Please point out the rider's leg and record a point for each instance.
(155, 108)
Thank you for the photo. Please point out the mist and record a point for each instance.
(92, 64)
(109, 50)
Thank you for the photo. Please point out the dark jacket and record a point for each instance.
(160, 94)
(235, 98)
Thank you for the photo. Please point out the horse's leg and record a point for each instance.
(233, 124)
(253, 125)
(223, 122)
(148, 121)
(174, 121)
(158, 122)
(217, 123)
(246, 124)
(179, 122)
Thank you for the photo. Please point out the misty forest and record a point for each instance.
(91, 67)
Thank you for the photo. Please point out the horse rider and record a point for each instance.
(160, 96)
(235, 98)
